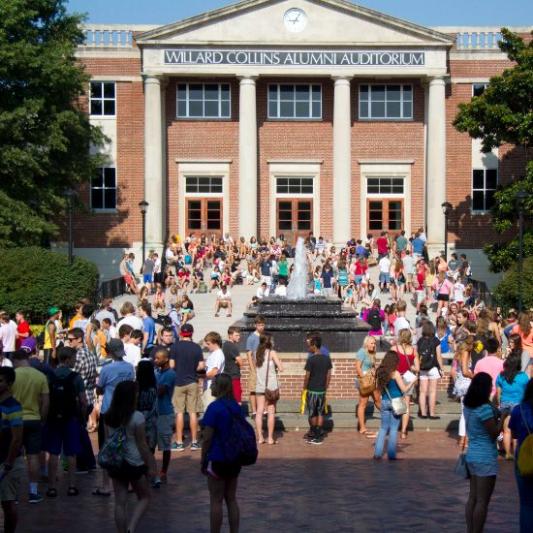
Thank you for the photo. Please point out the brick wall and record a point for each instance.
(342, 379)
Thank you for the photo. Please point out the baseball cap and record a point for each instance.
(186, 330)
(115, 347)
(53, 310)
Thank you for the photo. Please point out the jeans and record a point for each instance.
(525, 491)
(389, 424)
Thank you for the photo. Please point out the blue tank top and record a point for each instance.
(394, 390)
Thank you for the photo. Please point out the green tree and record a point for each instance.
(45, 137)
(503, 114)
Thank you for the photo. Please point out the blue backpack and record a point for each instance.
(241, 446)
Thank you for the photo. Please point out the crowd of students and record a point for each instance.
(136, 373)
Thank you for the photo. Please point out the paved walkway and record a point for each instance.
(296, 487)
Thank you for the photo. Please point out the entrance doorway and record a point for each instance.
(204, 215)
(384, 215)
(294, 218)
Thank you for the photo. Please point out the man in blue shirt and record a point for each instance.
(148, 327)
(166, 381)
(418, 246)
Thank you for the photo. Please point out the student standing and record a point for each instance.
(316, 382)
(252, 343)
(233, 361)
(214, 364)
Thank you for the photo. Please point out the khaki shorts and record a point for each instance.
(185, 398)
(10, 485)
(252, 380)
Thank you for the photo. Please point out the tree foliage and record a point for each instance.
(506, 292)
(503, 114)
(33, 279)
(45, 137)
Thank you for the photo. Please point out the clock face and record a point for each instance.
(295, 19)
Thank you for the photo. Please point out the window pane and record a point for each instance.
(302, 93)
(393, 92)
(195, 109)
(109, 90)
(478, 89)
(363, 110)
(286, 92)
(407, 110)
(477, 201)
(195, 205)
(477, 179)
(407, 92)
(109, 107)
(98, 180)
(211, 92)
(285, 206)
(363, 93)
(272, 109)
(489, 199)
(182, 108)
(378, 93)
(182, 91)
(285, 225)
(96, 89)
(96, 107)
(195, 224)
(317, 109)
(97, 199)
(378, 109)
(286, 109)
(195, 91)
(397, 185)
(225, 113)
(211, 109)
(317, 93)
(109, 177)
(302, 109)
(110, 199)
(272, 92)
(213, 224)
(491, 178)
(393, 110)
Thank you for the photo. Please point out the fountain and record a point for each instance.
(290, 319)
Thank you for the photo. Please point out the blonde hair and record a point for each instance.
(367, 341)
(405, 336)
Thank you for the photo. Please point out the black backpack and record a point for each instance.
(427, 353)
(64, 403)
(374, 319)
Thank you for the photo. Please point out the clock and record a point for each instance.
(295, 19)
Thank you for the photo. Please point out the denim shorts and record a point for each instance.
(482, 469)
(506, 408)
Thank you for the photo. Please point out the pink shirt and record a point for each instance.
(492, 365)
(444, 287)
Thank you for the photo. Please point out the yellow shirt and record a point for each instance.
(27, 389)
(73, 320)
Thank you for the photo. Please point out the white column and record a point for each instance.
(247, 158)
(436, 165)
(154, 185)
(342, 162)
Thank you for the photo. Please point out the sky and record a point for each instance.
(424, 12)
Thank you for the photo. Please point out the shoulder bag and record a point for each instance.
(399, 407)
(270, 395)
(461, 467)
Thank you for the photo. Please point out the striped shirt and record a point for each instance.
(10, 417)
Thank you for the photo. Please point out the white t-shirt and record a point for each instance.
(8, 336)
(409, 264)
(215, 359)
(459, 292)
(131, 320)
(262, 293)
(401, 323)
(281, 290)
(6, 362)
(224, 296)
(133, 354)
(384, 264)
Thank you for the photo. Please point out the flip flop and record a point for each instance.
(272, 443)
(98, 492)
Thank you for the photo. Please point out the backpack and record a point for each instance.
(241, 445)
(525, 453)
(111, 456)
(64, 403)
(426, 352)
(374, 319)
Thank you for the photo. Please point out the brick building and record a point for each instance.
(288, 116)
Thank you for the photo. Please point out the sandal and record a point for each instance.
(51, 493)
(368, 434)
(403, 435)
(73, 491)
(273, 442)
(99, 492)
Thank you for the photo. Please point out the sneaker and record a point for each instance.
(156, 482)
(316, 441)
(178, 447)
(195, 447)
(163, 478)
(81, 472)
(35, 498)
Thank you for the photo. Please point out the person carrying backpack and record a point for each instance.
(62, 430)
(229, 443)
(429, 354)
(375, 316)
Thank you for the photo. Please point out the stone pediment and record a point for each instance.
(311, 22)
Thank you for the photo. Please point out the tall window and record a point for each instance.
(104, 189)
(386, 102)
(484, 182)
(296, 101)
(102, 98)
(203, 100)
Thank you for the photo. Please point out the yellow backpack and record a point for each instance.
(525, 454)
